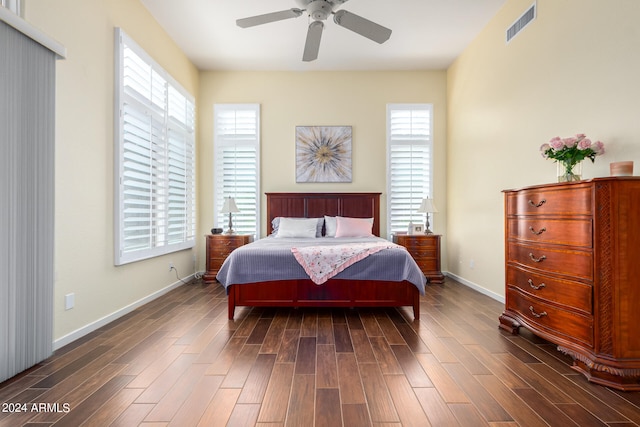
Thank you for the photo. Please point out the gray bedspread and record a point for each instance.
(271, 259)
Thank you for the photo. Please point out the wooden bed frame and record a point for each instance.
(334, 292)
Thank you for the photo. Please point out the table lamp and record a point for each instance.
(427, 207)
(229, 207)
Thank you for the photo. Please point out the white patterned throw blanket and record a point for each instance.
(321, 263)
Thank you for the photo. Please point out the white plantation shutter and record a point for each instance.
(237, 165)
(409, 162)
(155, 158)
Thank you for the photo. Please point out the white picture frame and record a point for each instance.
(415, 229)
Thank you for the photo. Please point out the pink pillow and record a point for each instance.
(354, 227)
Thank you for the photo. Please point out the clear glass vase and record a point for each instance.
(568, 172)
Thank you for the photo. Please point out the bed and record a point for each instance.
(364, 285)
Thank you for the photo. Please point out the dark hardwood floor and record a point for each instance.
(178, 361)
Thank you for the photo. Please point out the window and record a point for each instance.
(12, 5)
(237, 165)
(154, 158)
(409, 162)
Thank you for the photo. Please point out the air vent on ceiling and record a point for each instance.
(521, 22)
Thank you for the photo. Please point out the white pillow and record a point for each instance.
(330, 226)
(275, 224)
(297, 227)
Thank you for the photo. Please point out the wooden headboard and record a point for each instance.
(316, 205)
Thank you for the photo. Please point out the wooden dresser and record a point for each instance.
(219, 246)
(572, 253)
(425, 250)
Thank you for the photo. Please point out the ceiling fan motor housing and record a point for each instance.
(319, 10)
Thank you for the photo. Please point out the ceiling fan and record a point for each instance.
(318, 11)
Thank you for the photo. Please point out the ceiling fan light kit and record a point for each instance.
(318, 11)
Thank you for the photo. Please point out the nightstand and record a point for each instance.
(219, 246)
(425, 250)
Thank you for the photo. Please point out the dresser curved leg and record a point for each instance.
(509, 323)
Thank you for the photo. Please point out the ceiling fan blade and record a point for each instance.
(269, 17)
(312, 45)
(362, 26)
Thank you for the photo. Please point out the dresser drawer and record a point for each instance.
(561, 232)
(551, 201)
(555, 321)
(574, 263)
(575, 295)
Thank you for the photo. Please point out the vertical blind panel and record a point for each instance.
(142, 166)
(26, 201)
(236, 165)
(157, 160)
(410, 160)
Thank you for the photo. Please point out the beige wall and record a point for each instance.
(573, 70)
(84, 156)
(290, 99)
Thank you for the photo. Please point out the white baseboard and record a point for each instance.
(79, 333)
(476, 287)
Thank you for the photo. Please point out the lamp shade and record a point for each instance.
(427, 206)
(229, 206)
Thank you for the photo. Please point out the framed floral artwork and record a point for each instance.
(323, 154)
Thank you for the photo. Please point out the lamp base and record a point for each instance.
(427, 229)
(230, 230)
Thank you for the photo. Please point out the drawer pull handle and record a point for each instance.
(537, 233)
(540, 286)
(537, 205)
(534, 259)
(533, 312)
(227, 243)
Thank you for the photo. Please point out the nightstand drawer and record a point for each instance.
(222, 250)
(427, 264)
(226, 240)
(423, 252)
(418, 243)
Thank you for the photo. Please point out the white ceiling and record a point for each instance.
(427, 34)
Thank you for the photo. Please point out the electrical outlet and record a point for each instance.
(472, 264)
(69, 301)
(171, 267)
